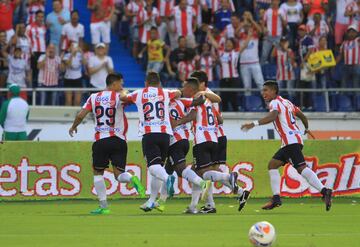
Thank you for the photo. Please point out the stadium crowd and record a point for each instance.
(239, 44)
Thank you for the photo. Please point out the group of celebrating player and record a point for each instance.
(164, 117)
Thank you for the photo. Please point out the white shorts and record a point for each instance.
(100, 32)
(9, 34)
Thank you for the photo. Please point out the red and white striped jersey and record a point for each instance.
(205, 126)
(31, 12)
(207, 64)
(197, 8)
(184, 20)
(285, 123)
(355, 19)
(215, 5)
(284, 68)
(321, 30)
(165, 7)
(185, 69)
(144, 30)
(153, 108)
(217, 110)
(72, 34)
(229, 31)
(135, 8)
(272, 19)
(229, 64)
(250, 54)
(110, 118)
(37, 36)
(351, 51)
(178, 110)
(68, 4)
(49, 75)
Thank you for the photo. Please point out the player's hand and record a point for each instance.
(246, 127)
(72, 131)
(200, 94)
(310, 134)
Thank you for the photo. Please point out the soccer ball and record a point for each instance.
(262, 234)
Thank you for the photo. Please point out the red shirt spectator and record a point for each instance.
(315, 6)
(6, 14)
(102, 12)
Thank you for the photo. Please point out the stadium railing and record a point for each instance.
(326, 92)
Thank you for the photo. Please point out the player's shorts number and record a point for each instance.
(110, 114)
(149, 107)
(210, 115)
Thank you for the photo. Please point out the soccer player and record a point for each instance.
(205, 145)
(155, 128)
(207, 195)
(283, 113)
(110, 138)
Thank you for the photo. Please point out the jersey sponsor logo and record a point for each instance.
(153, 96)
(105, 100)
(210, 129)
(107, 129)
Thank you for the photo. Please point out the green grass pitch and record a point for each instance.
(299, 222)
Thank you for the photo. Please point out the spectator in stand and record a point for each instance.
(317, 27)
(234, 28)
(165, 8)
(179, 54)
(14, 114)
(37, 35)
(206, 62)
(223, 15)
(155, 48)
(147, 18)
(259, 7)
(73, 62)
(4, 68)
(273, 25)
(49, 66)
(315, 6)
(350, 52)
(186, 67)
(285, 64)
(34, 6)
(99, 67)
(353, 12)
(68, 5)
(72, 32)
(342, 20)
(55, 22)
(249, 53)
(197, 6)
(294, 15)
(7, 8)
(100, 27)
(185, 22)
(132, 10)
(20, 40)
(323, 74)
(19, 71)
(307, 78)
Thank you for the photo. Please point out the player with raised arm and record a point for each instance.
(282, 114)
(155, 128)
(207, 195)
(205, 145)
(110, 138)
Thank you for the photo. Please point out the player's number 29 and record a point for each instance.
(110, 114)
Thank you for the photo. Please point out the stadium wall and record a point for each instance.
(59, 170)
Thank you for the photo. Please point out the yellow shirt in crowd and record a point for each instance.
(155, 50)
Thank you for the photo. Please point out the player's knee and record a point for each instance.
(180, 168)
(98, 171)
(300, 168)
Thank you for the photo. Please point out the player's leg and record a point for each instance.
(298, 161)
(195, 197)
(100, 163)
(118, 160)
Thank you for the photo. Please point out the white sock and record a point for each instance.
(210, 199)
(100, 188)
(191, 176)
(163, 192)
(195, 196)
(216, 176)
(155, 185)
(159, 172)
(312, 179)
(124, 177)
(275, 181)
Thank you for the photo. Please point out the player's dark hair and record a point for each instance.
(201, 76)
(153, 79)
(75, 12)
(113, 77)
(272, 84)
(39, 12)
(193, 82)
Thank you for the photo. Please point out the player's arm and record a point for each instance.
(78, 119)
(198, 101)
(269, 118)
(305, 122)
(188, 118)
(175, 94)
(213, 97)
(220, 119)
